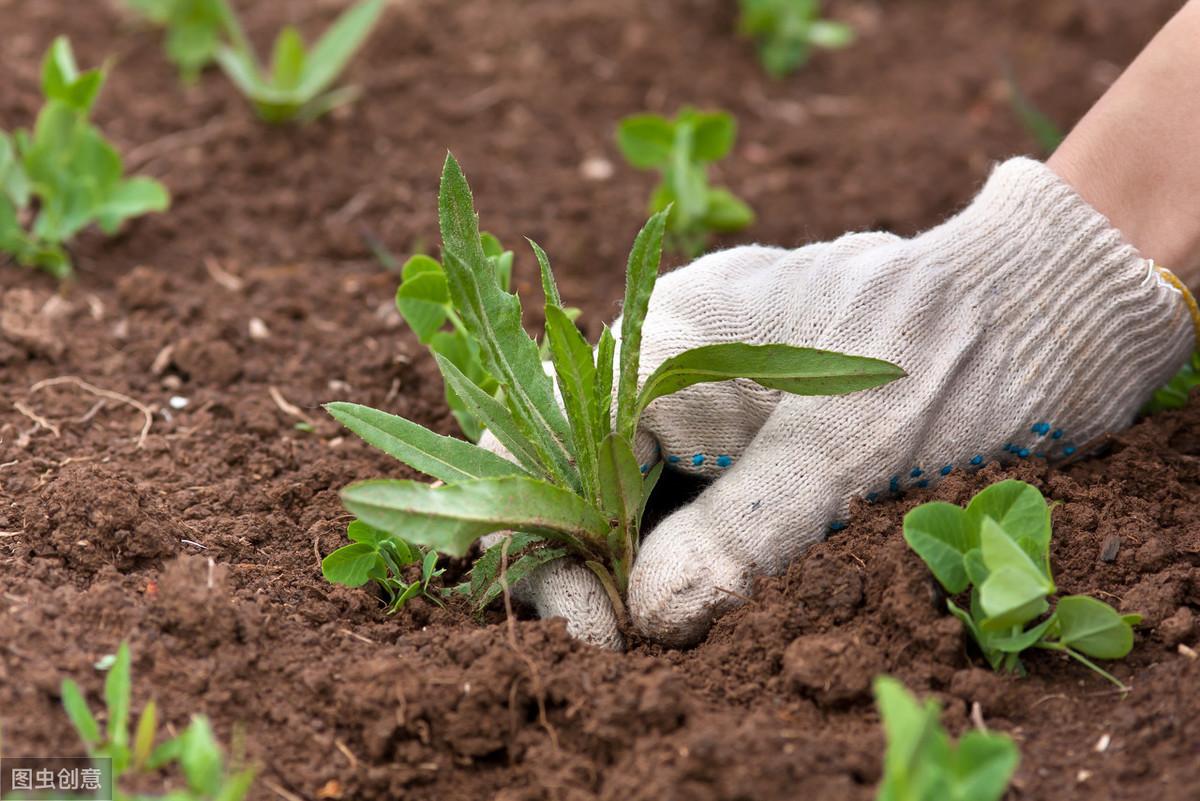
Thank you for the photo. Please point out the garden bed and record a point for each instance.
(257, 297)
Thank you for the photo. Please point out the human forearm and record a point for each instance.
(1136, 155)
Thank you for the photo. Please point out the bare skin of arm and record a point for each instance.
(1136, 155)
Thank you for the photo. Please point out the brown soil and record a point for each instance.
(201, 546)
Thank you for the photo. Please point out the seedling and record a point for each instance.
(575, 487)
(999, 547)
(296, 86)
(681, 150)
(787, 31)
(423, 300)
(377, 556)
(195, 30)
(1175, 393)
(195, 751)
(921, 764)
(64, 175)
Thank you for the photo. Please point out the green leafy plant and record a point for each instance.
(1175, 393)
(423, 300)
(64, 175)
(195, 751)
(296, 86)
(999, 548)
(378, 556)
(574, 487)
(787, 31)
(681, 150)
(195, 30)
(922, 764)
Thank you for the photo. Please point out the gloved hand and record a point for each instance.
(1027, 327)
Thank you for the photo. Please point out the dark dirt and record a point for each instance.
(257, 298)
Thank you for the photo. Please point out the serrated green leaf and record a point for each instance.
(79, 713)
(337, 46)
(493, 318)
(1092, 627)
(602, 397)
(801, 371)
(444, 458)
(576, 375)
(640, 276)
(941, 536)
(452, 517)
(518, 569)
(499, 420)
(646, 140)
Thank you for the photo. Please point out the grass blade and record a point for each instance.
(81, 717)
(116, 694)
(493, 318)
(452, 517)
(444, 458)
(641, 273)
(801, 371)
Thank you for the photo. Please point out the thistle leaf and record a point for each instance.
(640, 275)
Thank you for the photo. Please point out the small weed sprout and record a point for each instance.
(195, 751)
(195, 30)
(999, 548)
(1043, 129)
(375, 555)
(64, 175)
(1176, 392)
(681, 150)
(787, 31)
(575, 487)
(296, 86)
(922, 764)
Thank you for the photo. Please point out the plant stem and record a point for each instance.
(1057, 646)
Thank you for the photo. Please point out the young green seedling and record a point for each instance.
(921, 764)
(681, 150)
(375, 555)
(296, 87)
(64, 175)
(574, 486)
(788, 30)
(1043, 129)
(195, 30)
(195, 751)
(999, 548)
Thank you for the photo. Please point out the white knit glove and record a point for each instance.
(1027, 327)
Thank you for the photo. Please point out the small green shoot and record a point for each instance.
(296, 86)
(1175, 393)
(195, 751)
(195, 29)
(922, 764)
(787, 31)
(575, 487)
(64, 175)
(681, 150)
(1043, 129)
(999, 548)
(378, 556)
